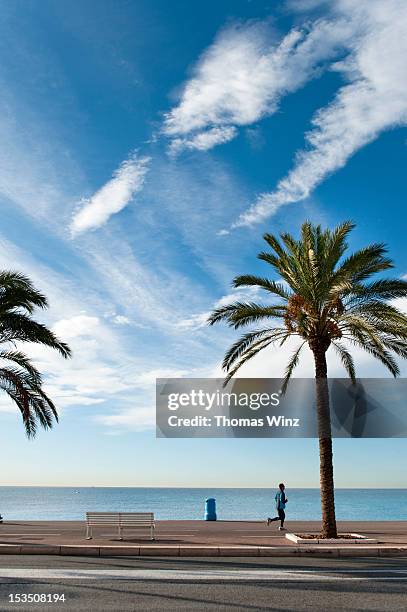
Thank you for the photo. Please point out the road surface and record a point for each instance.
(121, 583)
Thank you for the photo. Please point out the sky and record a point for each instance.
(145, 148)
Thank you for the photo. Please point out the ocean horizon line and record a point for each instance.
(272, 487)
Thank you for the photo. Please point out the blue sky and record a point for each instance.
(145, 149)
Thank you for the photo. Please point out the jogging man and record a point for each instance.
(281, 501)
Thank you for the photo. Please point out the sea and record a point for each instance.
(71, 503)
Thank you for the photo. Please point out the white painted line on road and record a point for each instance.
(175, 534)
(23, 535)
(213, 575)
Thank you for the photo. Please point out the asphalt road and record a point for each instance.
(121, 583)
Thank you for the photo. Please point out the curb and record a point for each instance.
(204, 551)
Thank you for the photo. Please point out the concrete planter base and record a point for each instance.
(355, 539)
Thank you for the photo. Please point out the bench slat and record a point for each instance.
(128, 519)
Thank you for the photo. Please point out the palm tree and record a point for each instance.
(326, 299)
(18, 377)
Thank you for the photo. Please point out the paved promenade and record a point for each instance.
(186, 538)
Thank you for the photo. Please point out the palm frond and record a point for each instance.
(274, 243)
(249, 280)
(239, 314)
(23, 361)
(346, 359)
(382, 355)
(377, 311)
(19, 378)
(363, 263)
(17, 291)
(292, 364)
(20, 327)
(31, 400)
(256, 348)
(336, 244)
(384, 289)
(361, 329)
(395, 344)
(246, 341)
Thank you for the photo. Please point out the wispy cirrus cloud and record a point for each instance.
(110, 199)
(243, 75)
(204, 140)
(374, 100)
(107, 370)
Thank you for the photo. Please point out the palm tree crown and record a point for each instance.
(324, 299)
(18, 377)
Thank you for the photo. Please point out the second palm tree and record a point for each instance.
(325, 299)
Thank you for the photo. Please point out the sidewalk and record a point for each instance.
(198, 538)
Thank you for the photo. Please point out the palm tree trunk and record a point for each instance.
(326, 473)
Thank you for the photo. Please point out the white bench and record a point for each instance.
(120, 520)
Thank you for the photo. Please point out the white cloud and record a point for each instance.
(99, 370)
(149, 378)
(242, 76)
(204, 140)
(401, 304)
(374, 100)
(121, 320)
(195, 321)
(110, 199)
(79, 325)
(138, 418)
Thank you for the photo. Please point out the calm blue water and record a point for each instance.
(64, 503)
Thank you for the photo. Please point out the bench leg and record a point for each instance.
(120, 533)
(88, 532)
(152, 533)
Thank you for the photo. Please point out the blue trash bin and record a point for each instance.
(210, 509)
